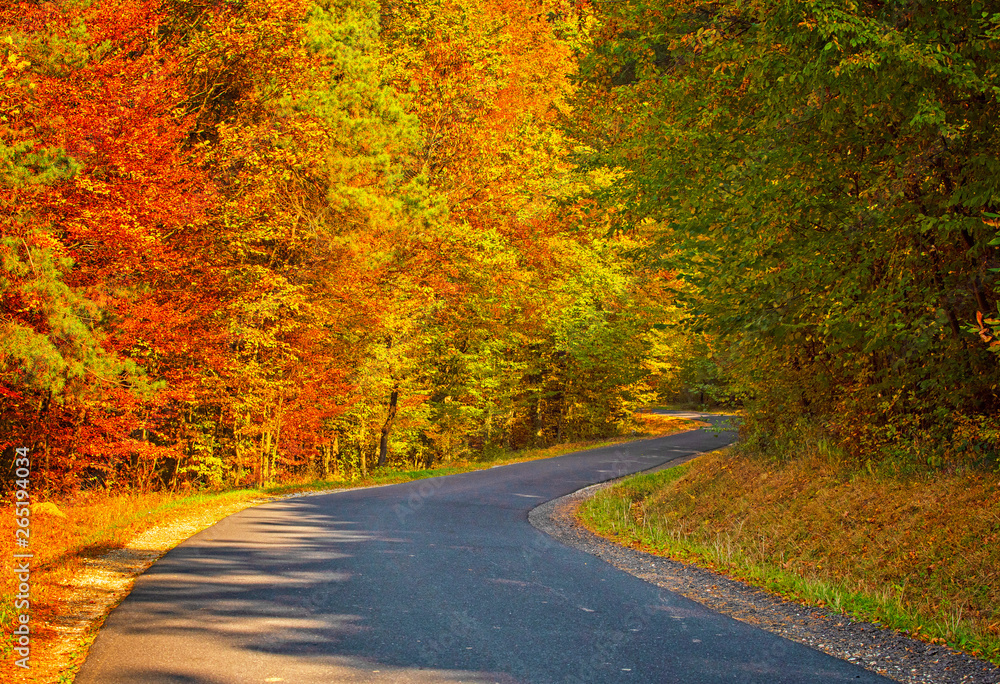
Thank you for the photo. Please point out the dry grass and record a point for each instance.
(920, 554)
(93, 524)
(96, 523)
(655, 425)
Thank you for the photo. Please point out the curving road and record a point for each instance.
(439, 580)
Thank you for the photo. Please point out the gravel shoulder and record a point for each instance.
(869, 645)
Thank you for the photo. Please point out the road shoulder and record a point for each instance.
(878, 650)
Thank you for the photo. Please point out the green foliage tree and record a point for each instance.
(819, 172)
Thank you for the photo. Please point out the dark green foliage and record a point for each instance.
(820, 172)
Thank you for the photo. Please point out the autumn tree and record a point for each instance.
(281, 238)
(99, 235)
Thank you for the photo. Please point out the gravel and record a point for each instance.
(869, 645)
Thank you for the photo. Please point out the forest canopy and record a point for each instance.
(249, 240)
(245, 241)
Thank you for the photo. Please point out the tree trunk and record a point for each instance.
(265, 453)
(363, 450)
(277, 438)
(383, 444)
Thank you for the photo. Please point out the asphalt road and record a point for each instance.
(439, 580)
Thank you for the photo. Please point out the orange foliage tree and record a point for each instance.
(286, 238)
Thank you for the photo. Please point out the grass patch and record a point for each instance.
(96, 522)
(920, 555)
